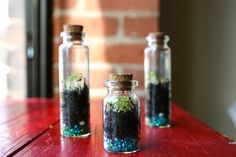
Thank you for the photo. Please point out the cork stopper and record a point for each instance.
(158, 35)
(161, 38)
(73, 28)
(120, 77)
(120, 81)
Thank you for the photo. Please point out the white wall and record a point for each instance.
(203, 42)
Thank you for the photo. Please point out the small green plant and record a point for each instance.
(153, 78)
(74, 81)
(123, 103)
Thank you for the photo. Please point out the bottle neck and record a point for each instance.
(121, 87)
(77, 38)
(74, 40)
(158, 43)
(158, 40)
(113, 91)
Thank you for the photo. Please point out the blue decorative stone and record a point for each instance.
(159, 121)
(73, 131)
(121, 145)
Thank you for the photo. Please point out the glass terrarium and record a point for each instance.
(157, 67)
(74, 83)
(121, 115)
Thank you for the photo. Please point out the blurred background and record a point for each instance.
(202, 37)
(12, 49)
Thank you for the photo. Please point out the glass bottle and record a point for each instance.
(121, 115)
(157, 68)
(74, 82)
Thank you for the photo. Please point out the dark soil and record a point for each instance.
(75, 107)
(122, 125)
(157, 100)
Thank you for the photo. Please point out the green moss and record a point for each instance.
(123, 103)
(74, 81)
(154, 78)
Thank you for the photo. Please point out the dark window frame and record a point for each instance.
(39, 50)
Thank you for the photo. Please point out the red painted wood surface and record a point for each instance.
(25, 131)
(23, 121)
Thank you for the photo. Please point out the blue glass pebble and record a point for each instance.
(159, 121)
(121, 145)
(74, 131)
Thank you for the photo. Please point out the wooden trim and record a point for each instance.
(39, 48)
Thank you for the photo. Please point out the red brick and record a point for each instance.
(140, 26)
(101, 26)
(120, 53)
(97, 77)
(121, 5)
(65, 4)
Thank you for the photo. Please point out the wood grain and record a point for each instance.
(188, 137)
(22, 122)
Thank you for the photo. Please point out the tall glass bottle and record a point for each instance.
(121, 115)
(157, 67)
(74, 82)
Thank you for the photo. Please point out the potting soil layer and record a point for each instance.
(158, 105)
(75, 112)
(121, 130)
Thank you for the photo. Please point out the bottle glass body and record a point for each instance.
(157, 67)
(121, 119)
(74, 85)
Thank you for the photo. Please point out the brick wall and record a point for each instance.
(116, 36)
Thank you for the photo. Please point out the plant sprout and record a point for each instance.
(123, 103)
(153, 78)
(74, 81)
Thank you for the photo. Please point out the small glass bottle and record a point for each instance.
(121, 115)
(157, 68)
(74, 83)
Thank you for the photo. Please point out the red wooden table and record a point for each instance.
(31, 128)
